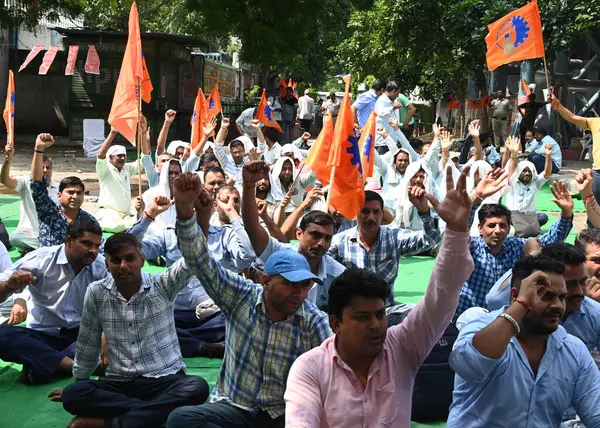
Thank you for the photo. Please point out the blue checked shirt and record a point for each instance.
(140, 333)
(489, 267)
(53, 223)
(259, 353)
(384, 256)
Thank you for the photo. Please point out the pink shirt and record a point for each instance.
(322, 391)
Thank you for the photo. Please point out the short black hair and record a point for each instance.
(416, 144)
(81, 225)
(391, 86)
(587, 236)
(378, 85)
(373, 196)
(541, 130)
(46, 159)
(271, 133)
(215, 170)
(208, 157)
(237, 143)
(352, 283)
(71, 181)
(525, 266)
(484, 136)
(117, 241)
(566, 253)
(493, 210)
(315, 217)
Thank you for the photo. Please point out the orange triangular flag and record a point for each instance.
(198, 118)
(125, 108)
(525, 87)
(9, 109)
(146, 82)
(367, 146)
(265, 114)
(319, 153)
(515, 37)
(290, 83)
(214, 103)
(346, 188)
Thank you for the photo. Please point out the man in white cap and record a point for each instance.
(114, 177)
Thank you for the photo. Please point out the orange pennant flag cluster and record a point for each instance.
(146, 82)
(367, 146)
(126, 101)
(295, 89)
(214, 103)
(346, 192)
(264, 113)
(319, 154)
(9, 109)
(198, 117)
(516, 37)
(453, 104)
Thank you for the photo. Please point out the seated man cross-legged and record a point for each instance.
(57, 278)
(145, 378)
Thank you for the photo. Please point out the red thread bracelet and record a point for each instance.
(527, 306)
(587, 200)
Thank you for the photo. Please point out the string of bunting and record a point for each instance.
(92, 61)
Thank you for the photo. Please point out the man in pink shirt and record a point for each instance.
(364, 375)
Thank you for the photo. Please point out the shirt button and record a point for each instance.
(132, 343)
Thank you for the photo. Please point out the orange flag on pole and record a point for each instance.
(295, 89)
(367, 146)
(346, 191)
(290, 83)
(146, 82)
(214, 103)
(264, 113)
(126, 101)
(282, 87)
(525, 87)
(319, 154)
(516, 37)
(198, 117)
(9, 109)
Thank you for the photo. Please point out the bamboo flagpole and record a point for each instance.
(331, 179)
(139, 140)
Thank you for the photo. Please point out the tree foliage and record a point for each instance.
(29, 13)
(436, 44)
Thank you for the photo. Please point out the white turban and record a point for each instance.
(174, 145)
(116, 150)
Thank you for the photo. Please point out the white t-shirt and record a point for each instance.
(384, 107)
(28, 218)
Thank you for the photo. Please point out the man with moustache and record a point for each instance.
(57, 278)
(523, 353)
(364, 375)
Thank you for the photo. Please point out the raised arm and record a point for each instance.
(585, 179)
(164, 132)
(548, 164)
(402, 138)
(43, 142)
(106, 144)
(290, 224)
(272, 228)
(446, 145)
(145, 137)
(567, 114)
(453, 267)
(252, 172)
(512, 147)
(560, 230)
(225, 288)
(5, 177)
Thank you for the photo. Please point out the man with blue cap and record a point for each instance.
(268, 325)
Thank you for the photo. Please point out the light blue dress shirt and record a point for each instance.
(364, 105)
(224, 244)
(556, 151)
(504, 392)
(57, 293)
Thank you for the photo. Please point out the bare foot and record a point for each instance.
(81, 422)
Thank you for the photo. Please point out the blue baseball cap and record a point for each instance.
(290, 264)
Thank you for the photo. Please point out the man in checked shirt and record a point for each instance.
(268, 325)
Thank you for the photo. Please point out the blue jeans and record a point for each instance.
(221, 415)
(192, 333)
(540, 163)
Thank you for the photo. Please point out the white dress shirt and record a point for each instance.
(306, 107)
(28, 219)
(115, 185)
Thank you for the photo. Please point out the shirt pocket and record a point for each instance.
(560, 394)
(387, 404)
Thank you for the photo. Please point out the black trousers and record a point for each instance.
(305, 124)
(137, 403)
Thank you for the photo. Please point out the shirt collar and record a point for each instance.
(61, 258)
